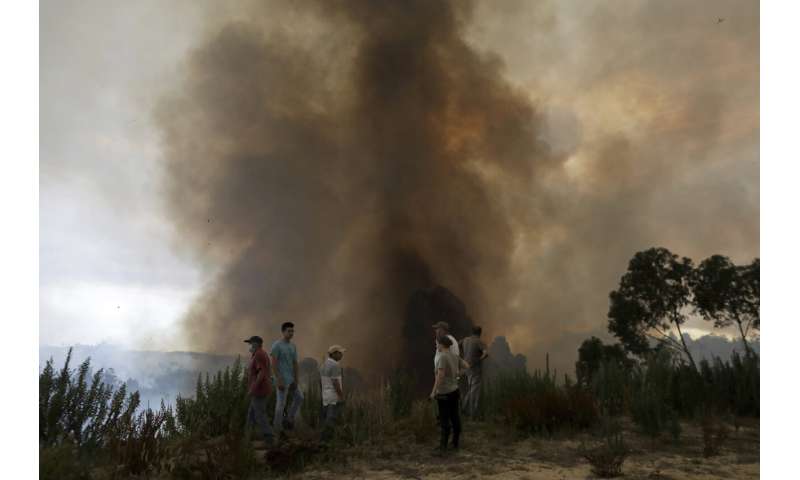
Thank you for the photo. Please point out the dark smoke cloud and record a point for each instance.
(328, 159)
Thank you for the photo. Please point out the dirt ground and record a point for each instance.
(490, 453)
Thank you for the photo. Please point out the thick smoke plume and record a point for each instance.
(337, 203)
(329, 161)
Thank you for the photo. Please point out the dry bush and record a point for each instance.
(292, 457)
(422, 421)
(225, 457)
(365, 418)
(551, 410)
(607, 457)
(400, 386)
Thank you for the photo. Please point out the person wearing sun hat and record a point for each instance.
(330, 374)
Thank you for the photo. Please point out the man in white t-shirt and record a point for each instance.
(330, 374)
(442, 329)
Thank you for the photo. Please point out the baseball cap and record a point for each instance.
(336, 348)
(254, 339)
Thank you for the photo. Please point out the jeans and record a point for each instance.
(257, 415)
(280, 406)
(329, 415)
(473, 393)
(450, 417)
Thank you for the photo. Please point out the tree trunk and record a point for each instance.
(747, 350)
(685, 348)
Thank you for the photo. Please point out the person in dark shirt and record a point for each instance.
(259, 388)
(474, 353)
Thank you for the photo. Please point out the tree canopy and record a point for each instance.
(728, 294)
(651, 300)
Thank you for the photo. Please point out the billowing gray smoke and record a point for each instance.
(335, 199)
(328, 160)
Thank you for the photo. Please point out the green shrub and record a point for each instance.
(610, 386)
(61, 462)
(219, 405)
(651, 407)
(138, 441)
(95, 423)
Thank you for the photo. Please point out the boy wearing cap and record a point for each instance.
(332, 396)
(259, 388)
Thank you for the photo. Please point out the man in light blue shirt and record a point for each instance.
(284, 374)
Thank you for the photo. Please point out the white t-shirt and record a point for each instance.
(328, 372)
(453, 349)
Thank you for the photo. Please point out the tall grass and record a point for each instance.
(311, 409)
(663, 390)
(366, 417)
(536, 403)
(85, 423)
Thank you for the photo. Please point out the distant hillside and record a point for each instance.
(709, 346)
(156, 375)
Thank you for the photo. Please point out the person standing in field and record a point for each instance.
(330, 374)
(445, 392)
(259, 388)
(442, 329)
(284, 372)
(475, 353)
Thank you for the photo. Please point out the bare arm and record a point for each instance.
(438, 381)
(464, 363)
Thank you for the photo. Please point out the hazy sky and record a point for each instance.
(654, 106)
(108, 269)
